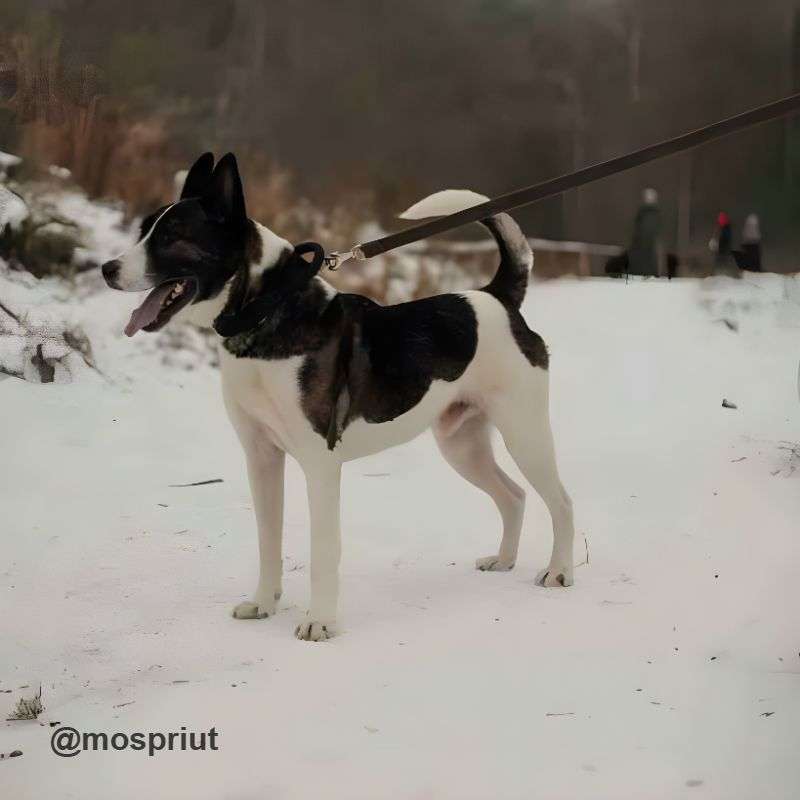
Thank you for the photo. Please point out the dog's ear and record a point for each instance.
(224, 197)
(198, 177)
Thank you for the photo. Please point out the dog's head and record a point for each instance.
(189, 250)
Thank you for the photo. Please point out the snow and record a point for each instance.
(36, 324)
(46, 309)
(102, 226)
(652, 677)
(8, 160)
(13, 210)
(62, 173)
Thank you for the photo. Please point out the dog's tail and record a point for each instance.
(516, 259)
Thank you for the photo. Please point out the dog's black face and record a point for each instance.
(189, 250)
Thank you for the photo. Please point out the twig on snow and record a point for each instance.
(196, 483)
(9, 312)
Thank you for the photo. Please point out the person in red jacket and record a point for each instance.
(721, 244)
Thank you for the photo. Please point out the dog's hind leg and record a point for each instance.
(468, 449)
(523, 420)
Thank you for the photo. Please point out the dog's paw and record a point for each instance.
(555, 576)
(250, 610)
(313, 632)
(493, 564)
(256, 609)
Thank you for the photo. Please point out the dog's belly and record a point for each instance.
(268, 392)
(362, 438)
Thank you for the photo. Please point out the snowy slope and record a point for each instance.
(650, 678)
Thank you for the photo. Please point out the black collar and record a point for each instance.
(290, 276)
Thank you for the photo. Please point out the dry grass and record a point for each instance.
(64, 120)
(28, 708)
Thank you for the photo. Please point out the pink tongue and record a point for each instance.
(148, 310)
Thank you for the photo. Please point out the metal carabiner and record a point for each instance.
(335, 259)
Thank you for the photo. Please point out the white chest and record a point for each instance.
(268, 393)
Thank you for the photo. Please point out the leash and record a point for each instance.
(252, 314)
(572, 180)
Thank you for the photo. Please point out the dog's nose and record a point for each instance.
(111, 271)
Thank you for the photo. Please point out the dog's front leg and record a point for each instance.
(265, 466)
(323, 483)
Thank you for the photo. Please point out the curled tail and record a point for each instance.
(516, 258)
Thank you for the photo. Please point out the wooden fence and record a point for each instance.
(426, 268)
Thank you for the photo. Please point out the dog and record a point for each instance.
(329, 377)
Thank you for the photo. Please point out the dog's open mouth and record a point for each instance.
(161, 305)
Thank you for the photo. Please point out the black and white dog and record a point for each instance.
(328, 377)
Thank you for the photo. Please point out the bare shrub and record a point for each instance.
(28, 708)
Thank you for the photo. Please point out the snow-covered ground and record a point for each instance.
(671, 668)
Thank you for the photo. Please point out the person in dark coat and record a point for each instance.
(643, 255)
(751, 244)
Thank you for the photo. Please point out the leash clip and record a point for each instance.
(335, 259)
